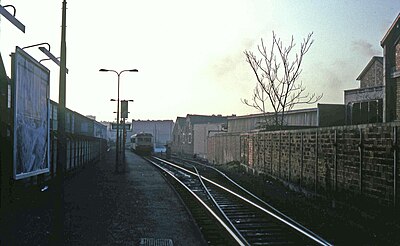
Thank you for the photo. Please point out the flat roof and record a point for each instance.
(295, 111)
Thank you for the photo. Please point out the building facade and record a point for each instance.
(177, 135)
(190, 134)
(391, 68)
(202, 132)
(365, 104)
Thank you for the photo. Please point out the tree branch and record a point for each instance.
(277, 77)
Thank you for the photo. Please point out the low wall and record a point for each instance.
(352, 161)
(223, 148)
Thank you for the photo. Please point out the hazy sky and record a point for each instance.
(190, 53)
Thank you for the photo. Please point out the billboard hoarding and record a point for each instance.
(31, 106)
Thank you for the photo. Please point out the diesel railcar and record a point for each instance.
(142, 143)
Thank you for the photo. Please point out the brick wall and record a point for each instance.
(373, 77)
(397, 57)
(350, 161)
(396, 87)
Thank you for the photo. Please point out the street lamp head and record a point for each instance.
(113, 100)
(108, 70)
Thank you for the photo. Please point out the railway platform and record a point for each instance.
(135, 207)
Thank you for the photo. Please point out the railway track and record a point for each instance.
(242, 217)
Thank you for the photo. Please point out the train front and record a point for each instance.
(144, 144)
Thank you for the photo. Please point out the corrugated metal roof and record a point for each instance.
(204, 119)
(296, 111)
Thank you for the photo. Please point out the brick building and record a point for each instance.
(365, 104)
(177, 135)
(190, 134)
(391, 63)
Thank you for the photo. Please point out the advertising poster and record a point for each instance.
(31, 116)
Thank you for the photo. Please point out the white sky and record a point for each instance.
(190, 53)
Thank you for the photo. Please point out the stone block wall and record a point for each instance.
(397, 57)
(396, 88)
(346, 161)
(373, 77)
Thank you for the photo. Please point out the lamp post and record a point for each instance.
(117, 140)
(124, 116)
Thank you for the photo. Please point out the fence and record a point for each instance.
(355, 161)
(81, 150)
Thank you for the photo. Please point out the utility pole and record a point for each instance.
(61, 140)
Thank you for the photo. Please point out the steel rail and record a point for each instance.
(219, 208)
(286, 220)
(234, 236)
(263, 202)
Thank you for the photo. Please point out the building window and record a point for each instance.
(189, 138)
(9, 96)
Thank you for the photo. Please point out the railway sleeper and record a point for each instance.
(260, 226)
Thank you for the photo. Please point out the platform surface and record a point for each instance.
(136, 207)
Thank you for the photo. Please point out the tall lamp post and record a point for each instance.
(124, 116)
(117, 140)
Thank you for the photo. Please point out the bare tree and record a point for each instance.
(277, 78)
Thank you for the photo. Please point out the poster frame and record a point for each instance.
(21, 54)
